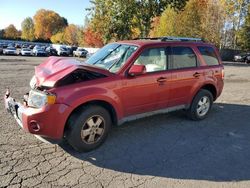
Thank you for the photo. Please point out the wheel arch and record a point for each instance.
(106, 105)
(211, 88)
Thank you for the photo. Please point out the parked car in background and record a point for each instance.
(18, 45)
(80, 52)
(25, 46)
(5, 45)
(26, 52)
(10, 51)
(51, 51)
(247, 59)
(31, 46)
(1, 49)
(71, 50)
(11, 45)
(63, 51)
(242, 57)
(38, 51)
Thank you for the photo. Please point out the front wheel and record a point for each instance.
(88, 128)
(201, 105)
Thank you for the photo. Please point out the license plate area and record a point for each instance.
(12, 106)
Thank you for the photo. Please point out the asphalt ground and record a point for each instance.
(161, 151)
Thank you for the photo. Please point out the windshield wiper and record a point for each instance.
(118, 60)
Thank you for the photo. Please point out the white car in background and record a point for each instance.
(80, 52)
(38, 51)
(26, 51)
(10, 51)
(63, 51)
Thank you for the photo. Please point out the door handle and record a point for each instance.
(162, 79)
(196, 75)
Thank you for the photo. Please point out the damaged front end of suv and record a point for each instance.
(43, 111)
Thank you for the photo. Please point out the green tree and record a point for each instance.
(28, 29)
(244, 36)
(58, 38)
(117, 20)
(165, 25)
(48, 23)
(11, 32)
(1, 33)
(236, 13)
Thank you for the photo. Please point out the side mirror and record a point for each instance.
(136, 70)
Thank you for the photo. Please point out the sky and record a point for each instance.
(14, 11)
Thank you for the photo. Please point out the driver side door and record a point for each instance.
(141, 93)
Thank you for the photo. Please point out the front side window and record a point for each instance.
(183, 57)
(154, 59)
(112, 56)
(208, 55)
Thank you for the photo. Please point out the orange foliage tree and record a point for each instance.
(11, 32)
(48, 23)
(92, 38)
(72, 34)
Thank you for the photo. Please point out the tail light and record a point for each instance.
(223, 74)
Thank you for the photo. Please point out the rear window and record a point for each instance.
(209, 55)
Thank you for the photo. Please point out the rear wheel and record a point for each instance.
(88, 128)
(201, 105)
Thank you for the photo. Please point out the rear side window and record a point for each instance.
(209, 55)
(183, 57)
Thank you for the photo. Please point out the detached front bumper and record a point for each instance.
(45, 123)
(14, 108)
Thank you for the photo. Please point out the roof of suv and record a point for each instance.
(166, 40)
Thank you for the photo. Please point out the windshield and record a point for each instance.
(112, 56)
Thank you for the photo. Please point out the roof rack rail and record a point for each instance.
(169, 38)
(181, 39)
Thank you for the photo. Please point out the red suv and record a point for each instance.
(123, 81)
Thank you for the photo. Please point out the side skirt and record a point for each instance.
(148, 114)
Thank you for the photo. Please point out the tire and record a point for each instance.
(200, 105)
(81, 122)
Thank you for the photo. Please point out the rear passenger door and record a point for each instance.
(186, 75)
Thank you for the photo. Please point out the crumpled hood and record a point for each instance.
(55, 68)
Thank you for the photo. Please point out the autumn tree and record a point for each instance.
(236, 13)
(48, 23)
(245, 32)
(71, 34)
(28, 29)
(92, 38)
(58, 38)
(11, 32)
(199, 18)
(165, 25)
(146, 10)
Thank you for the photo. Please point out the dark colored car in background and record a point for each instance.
(1, 49)
(242, 57)
(51, 51)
